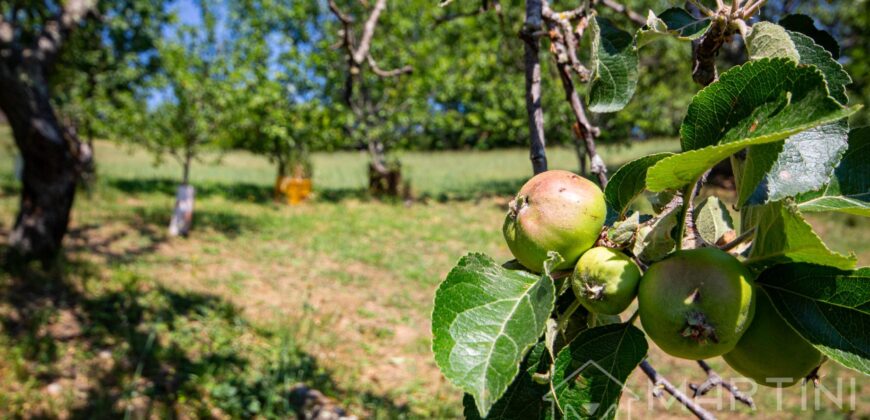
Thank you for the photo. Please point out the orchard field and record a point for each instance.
(335, 293)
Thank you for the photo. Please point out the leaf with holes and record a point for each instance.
(614, 67)
(486, 318)
(590, 374)
(828, 307)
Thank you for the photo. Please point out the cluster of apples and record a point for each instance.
(694, 304)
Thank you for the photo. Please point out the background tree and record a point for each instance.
(370, 103)
(277, 106)
(33, 35)
(187, 116)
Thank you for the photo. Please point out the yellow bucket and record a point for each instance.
(296, 190)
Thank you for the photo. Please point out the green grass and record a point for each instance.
(335, 293)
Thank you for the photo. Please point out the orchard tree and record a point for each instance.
(277, 105)
(367, 104)
(33, 38)
(190, 114)
(542, 336)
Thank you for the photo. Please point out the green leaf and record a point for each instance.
(783, 236)
(768, 99)
(805, 25)
(623, 232)
(590, 374)
(770, 40)
(760, 102)
(655, 241)
(828, 307)
(524, 398)
(486, 318)
(806, 160)
(614, 67)
(815, 55)
(713, 220)
(849, 188)
(674, 22)
(628, 182)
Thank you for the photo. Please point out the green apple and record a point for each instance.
(696, 304)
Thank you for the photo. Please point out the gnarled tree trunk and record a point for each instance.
(51, 157)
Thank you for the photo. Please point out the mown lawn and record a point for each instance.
(335, 293)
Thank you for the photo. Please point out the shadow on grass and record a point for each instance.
(87, 239)
(474, 191)
(126, 346)
(154, 221)
(239, 191)
(231, 191)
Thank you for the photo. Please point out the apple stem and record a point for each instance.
(516, 205)
(563, 319)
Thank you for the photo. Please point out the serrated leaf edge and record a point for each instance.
(461, 263)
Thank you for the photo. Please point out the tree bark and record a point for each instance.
(530, 33)
(50, 156)
(53, 157)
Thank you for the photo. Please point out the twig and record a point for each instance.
(530, 34)
(564, 40)
(565, 316)
(660, 383)
(633, 317)
(485, 7)
(750, 10)
(738, 240)
(387, 73)
(365, 40)
(695, 238)
(704, 51)
(714, 380)
(587, 131)
(619, 8)
(672, 205)
(704, 9)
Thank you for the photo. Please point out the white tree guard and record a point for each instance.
(182, 215)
